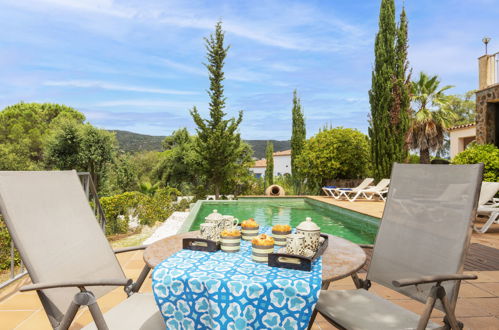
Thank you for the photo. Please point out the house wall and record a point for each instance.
(487, 108)
(282, 165)
(459, 138)
(258, 171)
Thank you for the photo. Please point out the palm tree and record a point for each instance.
(147, 188)
(430, 116)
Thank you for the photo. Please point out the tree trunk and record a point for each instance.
(424, 156)
(217, 191)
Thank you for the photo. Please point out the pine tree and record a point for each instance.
(218, 142)
(400, 112)
(383, 142)
(298, 137)
(269, 170)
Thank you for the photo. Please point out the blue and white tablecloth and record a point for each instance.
(202, 290)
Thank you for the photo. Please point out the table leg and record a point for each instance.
(356, 280)
(325, 286)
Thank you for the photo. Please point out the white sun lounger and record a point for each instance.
(380, 190)
(487, 193)
(338, 193)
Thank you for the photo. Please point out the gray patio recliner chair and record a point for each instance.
(66, 253)
(419, 250)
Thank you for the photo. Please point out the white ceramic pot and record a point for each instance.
(312, 234)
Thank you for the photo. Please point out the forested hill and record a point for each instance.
(260, 145)
(133, 142)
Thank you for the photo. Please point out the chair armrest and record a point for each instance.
(433, 278)
(65, 284)
(131, 248)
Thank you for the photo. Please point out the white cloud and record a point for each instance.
(115, 87)
(184, 67)
(270, 30)
(283, 67)
(145, 103)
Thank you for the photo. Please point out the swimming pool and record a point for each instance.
(356, 227)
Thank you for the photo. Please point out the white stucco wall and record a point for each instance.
(457, 138)
(282, 165)
(258, 171)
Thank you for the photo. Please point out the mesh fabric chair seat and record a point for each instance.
(66, 254)
(419, 250)
(360, 309)
(137, 312)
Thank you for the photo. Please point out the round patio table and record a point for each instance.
(342, 258)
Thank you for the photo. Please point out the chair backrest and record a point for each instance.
(382, 184)
(426, 228)
(364, 184)
(56, 233)
(488, 191)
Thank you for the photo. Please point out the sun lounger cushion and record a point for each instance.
(137, 312)
(360, 309)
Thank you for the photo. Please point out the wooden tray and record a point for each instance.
(293, 261)
(200, 244)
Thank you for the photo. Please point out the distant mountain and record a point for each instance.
(134, 142)
(259, 146)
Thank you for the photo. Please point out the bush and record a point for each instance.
(337, 153)
(488, 154)
(5, 248)
(149, 209)
(114, 206)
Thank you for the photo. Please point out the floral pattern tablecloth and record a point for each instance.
(202, 290)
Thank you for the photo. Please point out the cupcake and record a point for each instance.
(262, 245)
(230, 240)
(249, 229)
(280, 232)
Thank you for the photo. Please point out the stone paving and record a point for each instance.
(478, 304)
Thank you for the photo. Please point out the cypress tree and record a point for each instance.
(400, 114)
(218, 142)
(269, 170)
(383, 143)
(298, 136)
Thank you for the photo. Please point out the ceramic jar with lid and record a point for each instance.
(312, 234)
(218, 220)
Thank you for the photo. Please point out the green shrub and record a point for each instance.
(5, 248)
(149, 209)
(337, 153)
(488, 154)
(413, 159)
(117, 205)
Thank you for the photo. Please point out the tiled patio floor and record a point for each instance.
(478, 305)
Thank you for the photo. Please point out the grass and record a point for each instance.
(132, 239)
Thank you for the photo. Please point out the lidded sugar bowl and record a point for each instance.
(312, 234)
(217, 219)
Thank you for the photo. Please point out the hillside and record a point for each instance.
(260, 145)
(133, 142)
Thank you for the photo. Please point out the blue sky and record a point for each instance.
(137, 65)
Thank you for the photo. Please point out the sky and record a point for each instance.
(138, 65)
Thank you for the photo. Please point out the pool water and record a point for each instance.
(356, 227)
